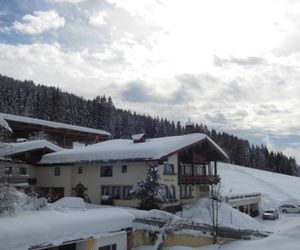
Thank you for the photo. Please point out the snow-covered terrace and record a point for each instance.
(8, 149)
(50, 124)
(34, 229)
(151, 149)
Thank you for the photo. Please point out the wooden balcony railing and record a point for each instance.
(204, 180)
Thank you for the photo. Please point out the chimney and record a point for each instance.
(138, 138)
(189, 127)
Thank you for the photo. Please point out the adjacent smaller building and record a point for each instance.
(19, 159)
(65, 135)
(13, 173)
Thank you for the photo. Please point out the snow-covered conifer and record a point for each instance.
(7, 198)
(151, 193)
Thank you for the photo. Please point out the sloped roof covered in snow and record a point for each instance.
(120, 149)
(7, 149)
(4, 124)
(50, 124)
(53, 227)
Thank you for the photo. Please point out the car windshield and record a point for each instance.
(269, 211)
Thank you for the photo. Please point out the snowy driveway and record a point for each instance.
(283, 223)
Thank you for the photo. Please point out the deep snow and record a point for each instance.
(274, 188)
(63, 221)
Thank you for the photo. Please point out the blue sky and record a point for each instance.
(233, 65)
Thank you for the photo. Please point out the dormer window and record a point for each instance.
(138, 138)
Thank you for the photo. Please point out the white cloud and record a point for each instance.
(216, 62)
(66, 1)
(98, 18)
(39, 22)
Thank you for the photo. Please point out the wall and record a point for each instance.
(92, 180)
(45, 178)
(186, 240)
(118, 238)
(140, 237)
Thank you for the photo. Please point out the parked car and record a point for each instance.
(289, 208)
(270, 214)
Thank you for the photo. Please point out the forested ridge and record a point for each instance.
(50, 103)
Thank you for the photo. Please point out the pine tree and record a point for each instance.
(149, 191)
(7, 198)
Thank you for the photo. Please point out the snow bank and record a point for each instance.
(69, 202)
(153, 214)
(228, 216)
(33, 228)
(288, 240)
(274, 188)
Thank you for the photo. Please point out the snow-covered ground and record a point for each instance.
(274, 188)
(65, 220)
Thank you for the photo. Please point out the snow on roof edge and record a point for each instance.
(21, 147)
(52, 124)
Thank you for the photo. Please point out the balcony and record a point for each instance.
(200, 180)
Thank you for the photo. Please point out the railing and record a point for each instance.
(242, 196)
(223, 232)
(207, 179)
(15, 179)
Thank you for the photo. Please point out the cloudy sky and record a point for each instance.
(230, 64)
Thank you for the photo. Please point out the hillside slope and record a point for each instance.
(275, 188)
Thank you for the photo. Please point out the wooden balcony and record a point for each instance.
(200, 180)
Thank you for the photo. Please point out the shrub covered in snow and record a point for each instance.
(31, 202)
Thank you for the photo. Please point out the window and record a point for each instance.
(126, 192)
(22, 171)
(168, 168)
(106, 190)
(173, 192)
(186, 169)
(189, 191)
(106, 171)
(168, 195)
(79, 170)
(170, 192)
(57, 171)
(108, 247)
(116, 192)
(8, 170)
(198, 170)
(124, 168)
(185, 191)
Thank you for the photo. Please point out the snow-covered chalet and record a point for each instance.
(187, 166)
(62, 134)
